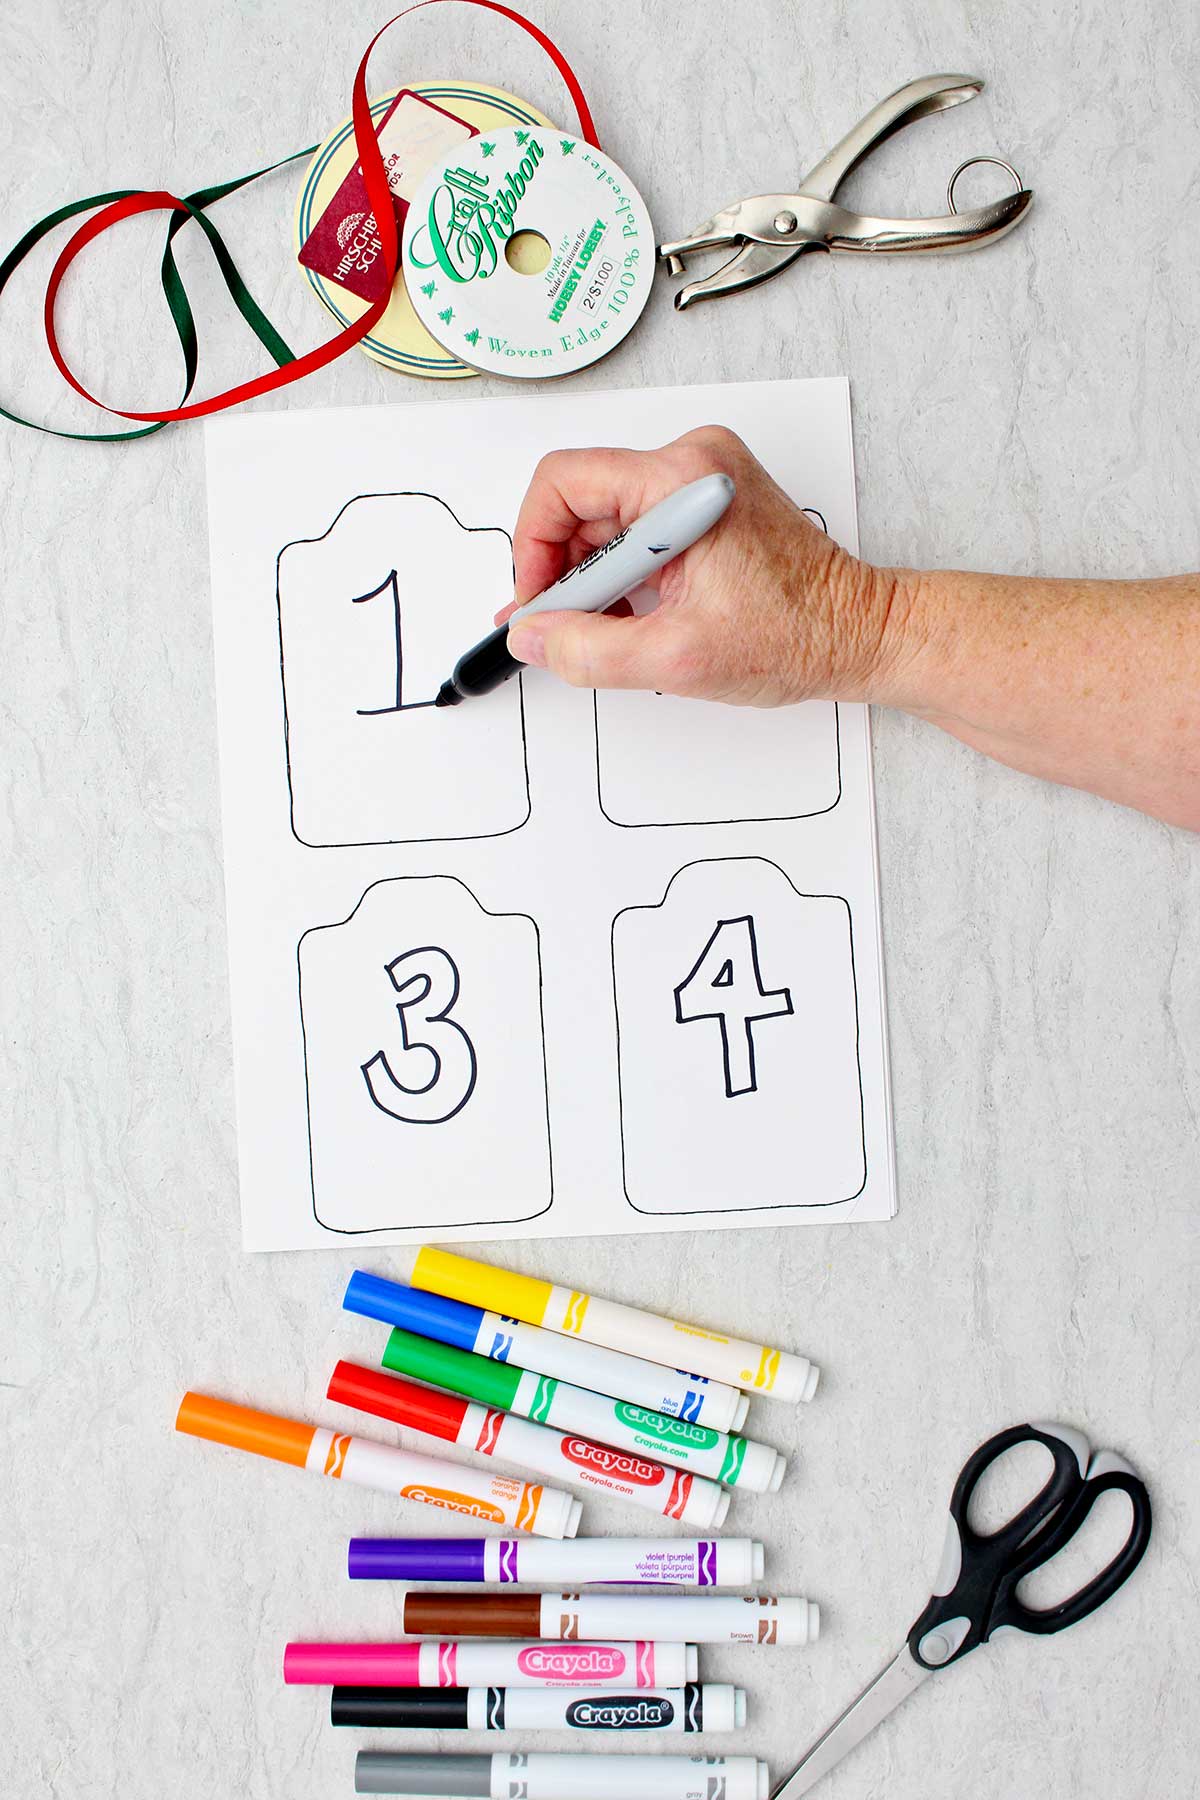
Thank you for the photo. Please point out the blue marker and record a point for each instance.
(670, 1391)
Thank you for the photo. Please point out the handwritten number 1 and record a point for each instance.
(389, 582)
(725, 984)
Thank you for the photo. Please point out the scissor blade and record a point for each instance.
(884, 1694)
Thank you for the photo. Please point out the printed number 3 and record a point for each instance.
(432, 1043)
(726, 985)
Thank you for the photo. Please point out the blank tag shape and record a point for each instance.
(737, 1024)
(424, 1061)
(373, 615)
(661, 760)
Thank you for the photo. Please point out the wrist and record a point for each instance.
(900, 669)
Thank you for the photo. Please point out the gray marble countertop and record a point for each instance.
(1033, 407)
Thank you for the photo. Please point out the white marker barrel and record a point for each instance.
(676, 1392)
(673, 1493)
(736, 1461)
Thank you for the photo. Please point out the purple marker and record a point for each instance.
(583, 1562)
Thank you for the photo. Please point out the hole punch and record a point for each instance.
(769, 232)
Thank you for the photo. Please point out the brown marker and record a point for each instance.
(675, 1618)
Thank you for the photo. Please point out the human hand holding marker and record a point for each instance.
(1095, 684)
(762, 610)
(627, 559)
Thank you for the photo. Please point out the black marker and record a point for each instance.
(600, 580)
(708, 1707)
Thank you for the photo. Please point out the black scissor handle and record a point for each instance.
(1070, 1451)
(1107, 1473)
(974, 1593)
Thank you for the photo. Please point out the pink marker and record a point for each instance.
(533, 1664)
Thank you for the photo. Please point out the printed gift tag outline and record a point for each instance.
(435, 1024)
(780, 1001)
(743, 818)
(389, 581)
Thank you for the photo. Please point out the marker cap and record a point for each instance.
(417, 1709)
(399, 1772)
(691, 1663)
(739, 1412)
(417, 1559)
(412, 1309)
(491, 1383)
(388, 1397)
(500, 1290)
(367, 1665)
(242, 1428)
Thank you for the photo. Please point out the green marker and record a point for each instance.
(722, 1456)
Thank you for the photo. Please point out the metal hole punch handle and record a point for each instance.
(918, 99)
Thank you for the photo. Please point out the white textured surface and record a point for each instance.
(1033, 407)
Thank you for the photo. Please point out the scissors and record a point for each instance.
(975, 1593)
(774, 229)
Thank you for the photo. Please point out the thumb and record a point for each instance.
(595, 650)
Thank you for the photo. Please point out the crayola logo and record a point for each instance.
(592, 1663)
(449, 1501)
(620, 1463)
(620, 1712)
(667, 1431)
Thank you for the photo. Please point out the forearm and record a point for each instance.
(1095, 684)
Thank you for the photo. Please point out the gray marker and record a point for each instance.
(601, 579)
(538, 1775)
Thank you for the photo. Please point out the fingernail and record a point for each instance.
(528, 647)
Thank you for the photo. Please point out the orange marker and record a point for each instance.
(492, 1499)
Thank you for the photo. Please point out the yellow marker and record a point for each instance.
(758, 1367)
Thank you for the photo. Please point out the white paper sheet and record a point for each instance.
(549, 962)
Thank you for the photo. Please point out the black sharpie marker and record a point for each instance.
(600, 580)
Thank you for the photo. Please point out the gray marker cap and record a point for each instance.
(395, 1772)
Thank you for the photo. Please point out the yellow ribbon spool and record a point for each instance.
(399, 341)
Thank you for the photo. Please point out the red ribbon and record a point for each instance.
(378, 193)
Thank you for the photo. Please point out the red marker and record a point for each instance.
(673, 1493)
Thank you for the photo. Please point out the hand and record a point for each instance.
(763, 610)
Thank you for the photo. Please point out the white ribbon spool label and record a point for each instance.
(528, 253)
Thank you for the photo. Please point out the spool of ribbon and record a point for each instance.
(126, 203)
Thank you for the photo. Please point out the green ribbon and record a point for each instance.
(178, 304)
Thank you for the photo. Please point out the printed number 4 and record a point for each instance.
(426, 982)
(726, 985)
